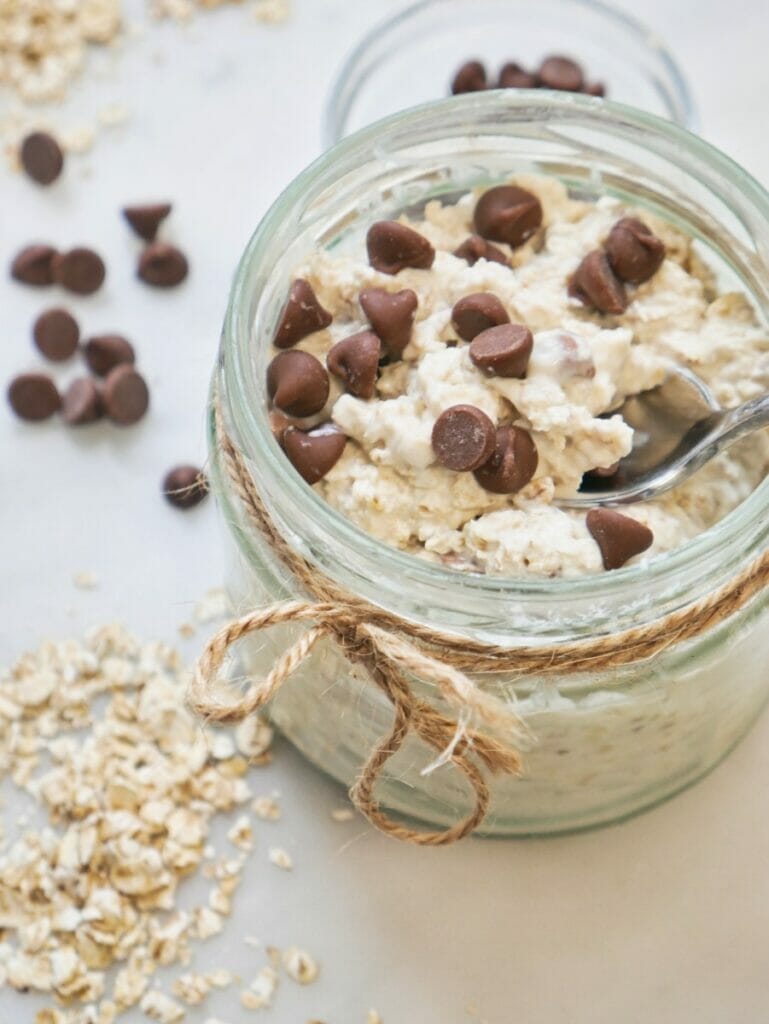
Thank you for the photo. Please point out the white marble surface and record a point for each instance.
(664, 918)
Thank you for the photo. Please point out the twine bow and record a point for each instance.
(387, 658)
(391, 649)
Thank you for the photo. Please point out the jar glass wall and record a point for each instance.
(410, 57)
(604, 745)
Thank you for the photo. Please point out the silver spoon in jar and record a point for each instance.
(678, 427)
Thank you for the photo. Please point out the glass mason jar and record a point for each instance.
(410, 57)
(605, 744)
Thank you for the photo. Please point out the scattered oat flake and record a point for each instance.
(86, 580)
(214, 605)
(299, 965)
(254, 737)
(260, 993)
(280, 858)
(343, 814)
(272, 12)
(158, 1006)
(241, 834)
(267, 808)
(372, 1017)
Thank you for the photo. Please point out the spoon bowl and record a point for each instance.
(677, 428)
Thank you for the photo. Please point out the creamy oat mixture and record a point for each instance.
(387, 478)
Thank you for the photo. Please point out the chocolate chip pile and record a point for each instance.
(560, 73)
(502, 456)
(115, 390)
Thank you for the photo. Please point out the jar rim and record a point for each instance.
(251, 421)
(355, 70)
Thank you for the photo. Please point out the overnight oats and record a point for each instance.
(445, 388)
(429, 341)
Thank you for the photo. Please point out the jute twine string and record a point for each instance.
(391, 649)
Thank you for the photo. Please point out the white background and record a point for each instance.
(664, 918)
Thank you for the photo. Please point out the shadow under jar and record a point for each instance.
(605, 744)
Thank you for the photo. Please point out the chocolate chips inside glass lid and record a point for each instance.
(558, 72)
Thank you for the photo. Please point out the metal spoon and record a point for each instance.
(678, 427)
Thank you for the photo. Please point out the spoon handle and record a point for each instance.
(744, 419)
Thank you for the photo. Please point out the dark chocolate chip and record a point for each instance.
(503, 351)
(391, 314)
(508, 213)
(33, 396)
(463, 438)
(162, 265)
(106, 351)
(81, 402)
(297, 383)
(356, 361)
(470, 77)
(56, 334)
(513, 463)
(145, 220)
(595, 89)
(41, 157)
(476, 248)
(634, 251)
(513, 76)
(561, 73)
(313, 453)
(477, 312)
(34, 265)
(618, 537)
(595, 284)
(302, 315)
(393, 246)
(125, 395)
(185, 486)
(80, 270)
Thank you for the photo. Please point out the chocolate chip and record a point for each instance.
(297, 383)
(313, 453)
(185, 486)
(595, 89)
(470, 77)
(41, 157)
(33, 396)
(513, 76)
(106, 351)
(477, 312)
(508, 213)
(503, 351)
(81, 402)
(56, 334)
(634, 251)
(356, 361)
(561, 73)
(618, 537)
(162, 265)
(513, 463)
(463, 438)
(302, 315)
(391, 314)
(392, 247)
(80, 270)
(34, 265)
(476, 248)
(125, 395)
(145, 220)
(595, 284)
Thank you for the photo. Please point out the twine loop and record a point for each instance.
(478, 730)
